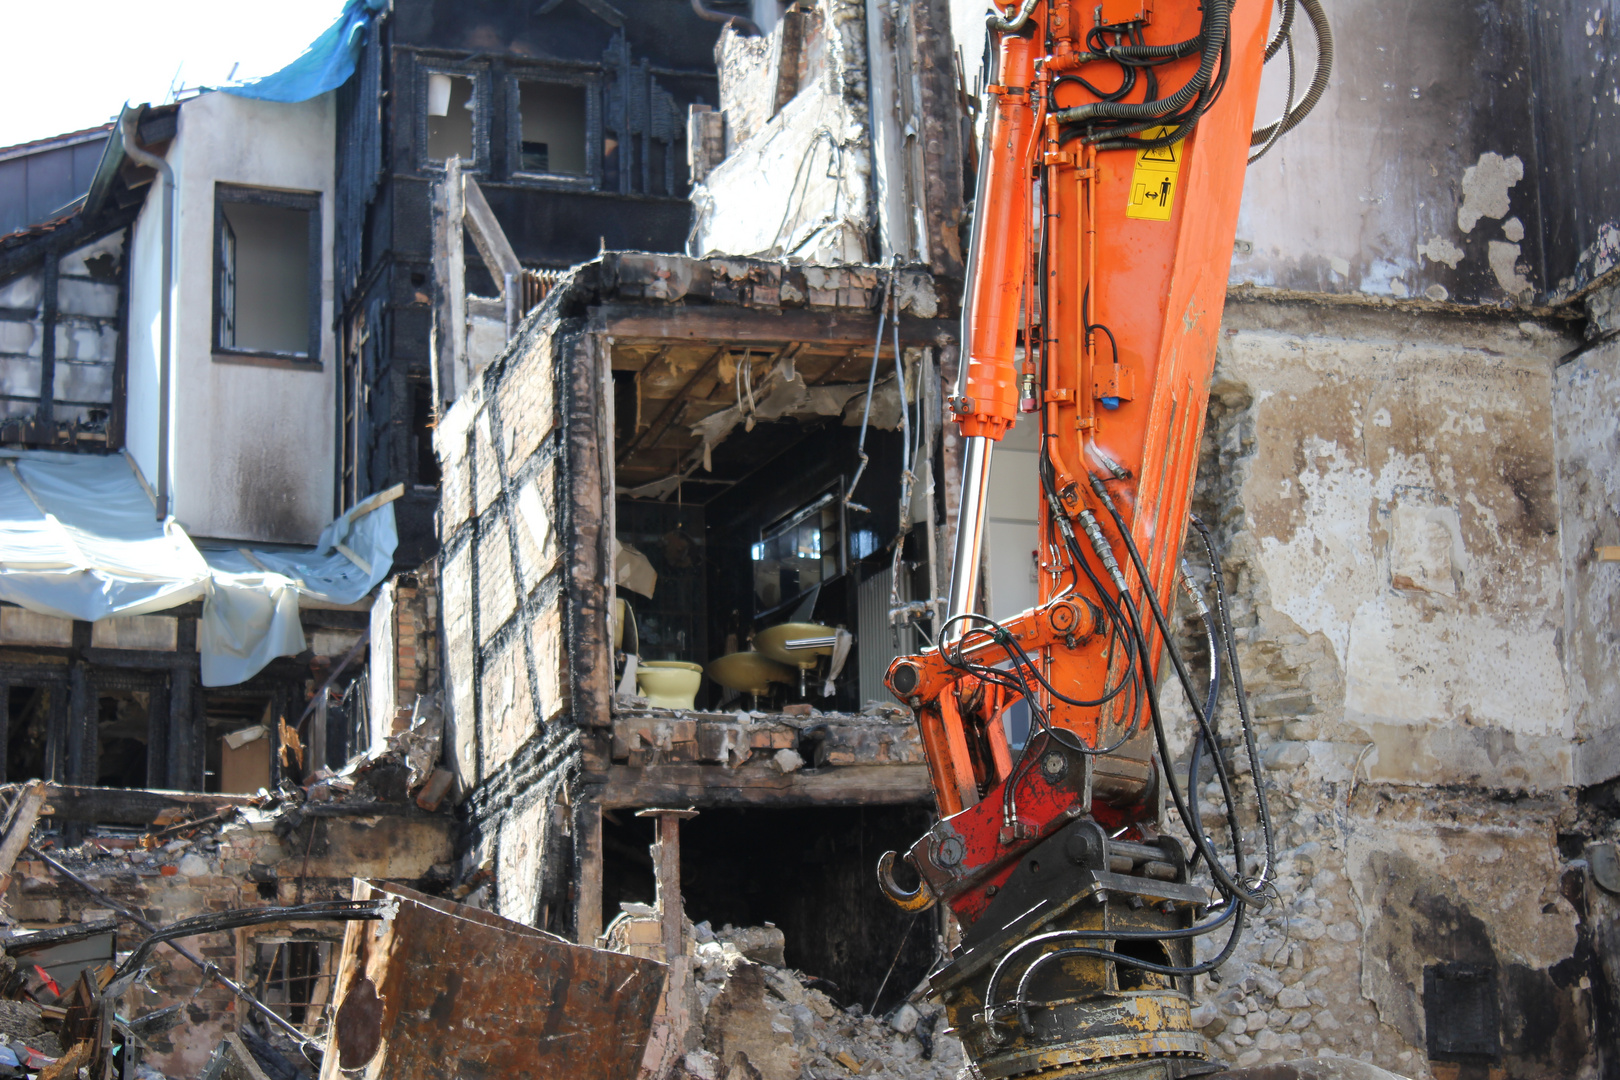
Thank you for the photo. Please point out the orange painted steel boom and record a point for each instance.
(1116, 140)
(1098, 277)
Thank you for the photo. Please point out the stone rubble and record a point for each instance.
(759, 1021)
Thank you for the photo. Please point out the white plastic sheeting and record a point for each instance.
(250, 615)
(78, 541)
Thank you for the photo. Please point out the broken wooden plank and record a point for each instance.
(487, 234)
(20, 828)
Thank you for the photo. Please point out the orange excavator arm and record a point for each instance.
(1116, 139)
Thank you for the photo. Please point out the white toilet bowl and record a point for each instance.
(669, 684)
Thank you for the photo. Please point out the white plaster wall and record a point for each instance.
(251, 451)
(145, 309)
(1397, 479)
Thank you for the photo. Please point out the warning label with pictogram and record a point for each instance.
(1155, 178)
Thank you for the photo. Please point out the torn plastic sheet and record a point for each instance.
(78, 540)
(250, 615)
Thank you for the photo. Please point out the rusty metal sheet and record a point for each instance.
(441, 991)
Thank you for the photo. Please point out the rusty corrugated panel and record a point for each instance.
(441, 991)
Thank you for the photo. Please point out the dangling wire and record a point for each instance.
(871, 383)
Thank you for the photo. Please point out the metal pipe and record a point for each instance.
(126, 129)
(969, 531)
(740, 23)
(207, 967)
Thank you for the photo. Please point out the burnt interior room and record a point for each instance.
(749, 536)
(808, 871)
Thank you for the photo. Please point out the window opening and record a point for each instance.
(450, 116)
(294, 977)
(798, 553)
(422, 422)
(552, 124)
(240, 743)
(267, 273)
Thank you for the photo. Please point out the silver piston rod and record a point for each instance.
(965, 563)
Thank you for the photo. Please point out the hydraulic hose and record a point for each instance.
(1324, 69)
(1218, 15)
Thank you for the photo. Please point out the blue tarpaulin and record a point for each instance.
(325, 65)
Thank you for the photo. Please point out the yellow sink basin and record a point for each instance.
(748, 672)
(796, 643)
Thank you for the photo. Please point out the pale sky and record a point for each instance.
(72, 64)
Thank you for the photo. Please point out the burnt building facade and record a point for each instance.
(572, 118)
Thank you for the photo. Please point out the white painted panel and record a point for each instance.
(1010, 545)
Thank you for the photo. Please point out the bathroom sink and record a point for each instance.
(748, 672)
(796, 643)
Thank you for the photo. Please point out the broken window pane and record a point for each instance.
(553, 128)
(264, 268)
(797, 553)
(450, 117)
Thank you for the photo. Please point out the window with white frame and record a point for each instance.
(267, 275)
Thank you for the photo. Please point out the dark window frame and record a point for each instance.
(592, 81)
(224, 193)
(483, 97)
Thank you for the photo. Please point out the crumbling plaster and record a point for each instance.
(1388, 490)
(1585, 391)
(819, 143)
(1398, 480)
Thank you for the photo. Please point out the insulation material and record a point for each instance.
(821, 140)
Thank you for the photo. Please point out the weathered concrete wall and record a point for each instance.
(252, 446)
(1386, 489)
(1585, 392)
(1397, 486)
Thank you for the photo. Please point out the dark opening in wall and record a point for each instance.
(240, 741)
(552, 120)
(811, 871)
(1461, 1012)
(28, 733)
(450, 108)
(121, 733)
(422, 422)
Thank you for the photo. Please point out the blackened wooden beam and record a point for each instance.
(129, 806)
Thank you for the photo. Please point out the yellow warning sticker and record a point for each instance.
(1155, 179)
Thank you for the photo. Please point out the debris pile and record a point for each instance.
(81, 899)
(760, 1020)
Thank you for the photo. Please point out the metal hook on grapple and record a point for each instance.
(918, 899)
